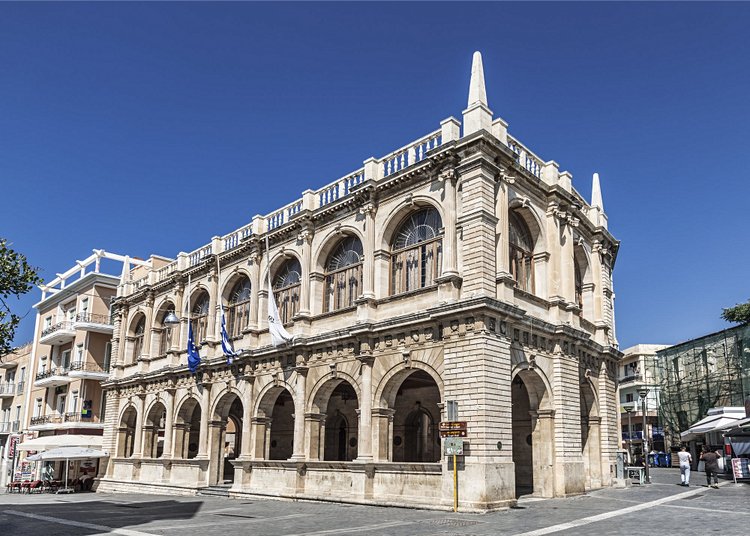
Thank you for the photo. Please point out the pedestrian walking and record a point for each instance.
(711, 460)
(685, 461)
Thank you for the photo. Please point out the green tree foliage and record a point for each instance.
(16, 277)
(740, 313)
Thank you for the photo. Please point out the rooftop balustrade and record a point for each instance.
(374, 169)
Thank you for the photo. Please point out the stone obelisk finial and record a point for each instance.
(477, 115)
(596, 193)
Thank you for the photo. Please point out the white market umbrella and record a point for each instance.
(67, 454)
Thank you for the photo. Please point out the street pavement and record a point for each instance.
(662, 508)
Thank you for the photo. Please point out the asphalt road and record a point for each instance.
(662, 507)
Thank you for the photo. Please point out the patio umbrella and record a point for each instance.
(67, 454)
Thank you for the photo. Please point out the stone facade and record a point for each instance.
(461, 267)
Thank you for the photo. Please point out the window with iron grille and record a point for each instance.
(416, 251)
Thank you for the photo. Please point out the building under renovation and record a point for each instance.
(460, 267)
(709, 372)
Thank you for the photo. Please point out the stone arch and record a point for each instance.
(126, 431)
(136, 337)
(321, 391)
(166, 335)
(385, 392)
(584, 281)
(187, 427)
(533, 220)
(153, 428)
(329, 242)
(227, 425)
(274, 422)
(277, 260)
(236, 300)
(533, 430)
(390, 224)
(230, 280)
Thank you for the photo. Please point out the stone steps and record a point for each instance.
(216, 491)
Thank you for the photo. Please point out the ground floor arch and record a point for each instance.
(415, 417)
(126, 433)
(226, 437)
(187, 429)
(153, 444)
(533, 435)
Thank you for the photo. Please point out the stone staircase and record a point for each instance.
(221, 490)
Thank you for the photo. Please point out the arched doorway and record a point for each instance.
(154, 431)
(226, 432)
(533, 435)
(590, 436)
(187, 429)
(281, 438)
(126, 433)
(415, 419)
(340, 443)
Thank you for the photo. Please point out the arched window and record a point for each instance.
(199, 318)
(140, 329)
(165, 340)
(521, 252)
(578, 286)
(343, 275)
(238, 312)
(416, 252)
(286, 289)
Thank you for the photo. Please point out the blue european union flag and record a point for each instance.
(194, 358)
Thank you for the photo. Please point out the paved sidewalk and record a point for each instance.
(662, 507)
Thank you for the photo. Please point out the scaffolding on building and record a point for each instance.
(697, 375)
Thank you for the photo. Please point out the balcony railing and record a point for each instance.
(59, 371)
(91, 318)
(7, 389)
(88, 367)
(630, 379)
(59, 418)
(57, 327)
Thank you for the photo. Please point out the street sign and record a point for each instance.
(453, 446)
(452, 429)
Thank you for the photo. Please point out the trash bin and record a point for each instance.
(652, 460)
(668, 459)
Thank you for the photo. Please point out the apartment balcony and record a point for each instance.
(8, 364)
(63, 421)
(7, 390)
(630, 379)
(9, 427)
(60, 333)
(95, 323)
(52, 378)
(88, 371)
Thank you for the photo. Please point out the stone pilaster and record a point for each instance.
(298, 453)
(364, 449)
(168, 422)
(478, 221)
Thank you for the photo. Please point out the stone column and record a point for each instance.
(504, 278)
(213, 304)
(259, 427)
(314, 427)
(364, 449)
(146, 350)
(138, 433)
(543, 441)
(168, 423)
(450, 263)
(298, 453)
(305, 236)
(383, 433)
(205, 417)
(368, 248)
(254, 289)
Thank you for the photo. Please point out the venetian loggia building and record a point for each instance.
(461, 267)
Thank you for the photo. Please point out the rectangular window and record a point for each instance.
(629, 397)
(38, 408)
(18, 413)
(73, 402)
(79, 354)
(84, 306)
(65, 360)
(48, 322)
(22, 375)
(107, 356)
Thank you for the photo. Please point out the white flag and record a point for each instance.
(279, 335)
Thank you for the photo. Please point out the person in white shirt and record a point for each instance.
(685, 460)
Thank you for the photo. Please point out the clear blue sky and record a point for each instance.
(149, 128)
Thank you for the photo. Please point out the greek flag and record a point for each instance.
(226, 343)
(194, 358)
